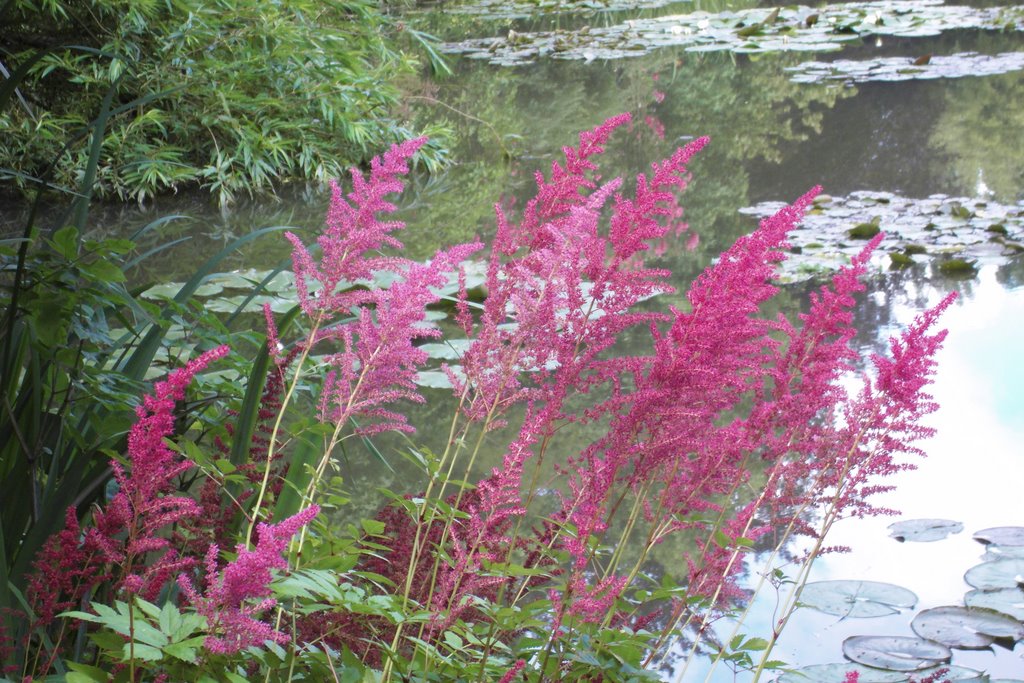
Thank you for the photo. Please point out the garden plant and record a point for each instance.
(222, 549)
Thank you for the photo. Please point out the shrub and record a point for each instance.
(471, 578)
(235, 96)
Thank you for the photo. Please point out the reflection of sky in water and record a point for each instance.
(974, 474)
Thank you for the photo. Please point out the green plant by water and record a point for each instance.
(205, 533)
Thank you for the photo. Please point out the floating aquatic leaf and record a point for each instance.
(911, 226)
(433, 379)
(890, 69)
(520, 9)
(856, 598)
(836, 673)
(1006, 600)
(748, 30)
(1003, 552)
(896, 653)
(166, 290)
(864, 231)
(1006, 573)
(449, 349)
(923, 530)
(1001, 535)
(230, 304)
(953, 673)
(957, 266)
(966, 627)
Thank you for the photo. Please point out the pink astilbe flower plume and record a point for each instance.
(561, 290)
(374, 358)
(352, 232)
(666, 436)
(133, 526)
(237, 594)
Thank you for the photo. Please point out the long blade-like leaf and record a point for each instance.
(136, 366)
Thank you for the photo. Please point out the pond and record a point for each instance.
(908, 114)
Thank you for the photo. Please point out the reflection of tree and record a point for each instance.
(749, 108)
(980, 128)
(1011, 274)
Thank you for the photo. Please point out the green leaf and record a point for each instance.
(856, 598)
(104, 271)
(83, 673)
(143, 652)
(755, 644)
(65, 241)
(185, 650)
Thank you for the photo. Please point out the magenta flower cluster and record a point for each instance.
(679, 427)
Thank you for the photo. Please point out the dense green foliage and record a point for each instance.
(236, 95)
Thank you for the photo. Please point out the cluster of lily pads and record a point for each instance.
(888, 69)
(992, 614)
(954, 233)
(246, 292)
(754, 30)
(525, 9)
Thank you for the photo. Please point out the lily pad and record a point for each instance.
(1001, 535)
(1008, 573)
(450, 349)
(924, 530)
(914, 226)
(966, 627)
(526, 9)
(953, 674)
(889, 69)
(856, 598)
(837, 673)
(896, 653)
(1006, 600)
(754, 30)
(433, 379)
(1003, 552)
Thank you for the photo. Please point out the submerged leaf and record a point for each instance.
(856, 598)
(896, 653)
(924, 530)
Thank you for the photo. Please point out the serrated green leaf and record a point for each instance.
(144, 652)
(186, 649)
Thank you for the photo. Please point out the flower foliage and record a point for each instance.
(457, 580)
(231, 616)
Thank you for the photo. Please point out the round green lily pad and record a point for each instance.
(924, 530)
(1008, 573)
(966, 627)
(1006, 600)
(895, 653)
(856, 598)
(836, 673)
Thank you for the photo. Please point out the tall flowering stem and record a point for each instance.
(128, 545)
(369, 335)
(238, 593)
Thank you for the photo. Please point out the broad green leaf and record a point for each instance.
(1006, 600)
(966, 627)
(1006, 573)
(896, 653)
(924, 530)
(1001, 535)
(856, 598)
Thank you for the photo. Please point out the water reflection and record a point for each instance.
(972, 473)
